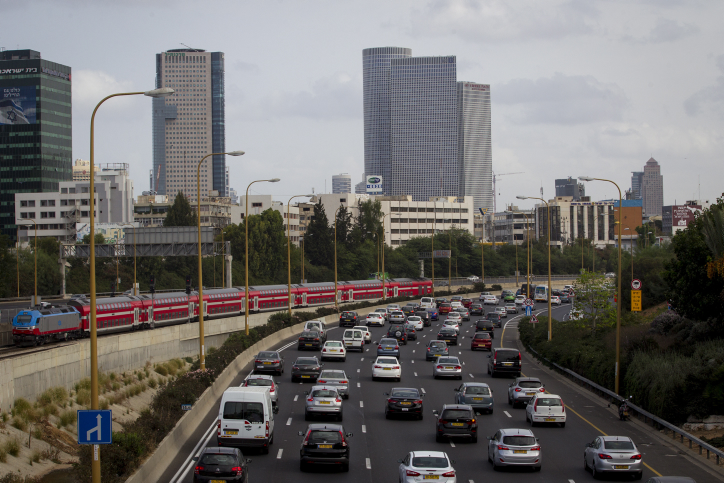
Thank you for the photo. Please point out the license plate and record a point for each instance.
(448, 368)
(430, 477)
(324, 446)
(477, 399)
(217, 481)
(323, 402)
(530, 394)
(267, 363)
(308, 345)
(437, 355)
(620, 467)
(520, 451)
(550, 419)
(457, 424)
(405, 403)
(386, 369)
(306, 377)
(332, 350)
(228, 431)
(507, 363)
(404, 409)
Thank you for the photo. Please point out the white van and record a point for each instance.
(427, 303)
(317, 325)
(354, 339)
(246, 418)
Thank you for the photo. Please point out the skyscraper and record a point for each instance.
(570, 187)
(341, 183)
(475, 159)
(652, 188)
(35, 130)
(376, 64)
(637, 180)
(189, 124)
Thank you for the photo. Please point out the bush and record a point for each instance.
(12, 447)
(103, 403)
(68, 418)
(3, 455)
(35, 457)
(20, 424)
(189, 360)
(496, 286)
(161, 369)
(83, 397)
(22, 407)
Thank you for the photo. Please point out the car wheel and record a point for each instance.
(421, 416)
(475, 439)
(490, 460)
(563, 425)
(495, 467)
(344, 359)
(638, 476)
(536, 468)
(345, 468)
(307, 417)
(439, 439)
(340, 416)
(595, 473)
(510, 401)
(585, 464)
(387, 415)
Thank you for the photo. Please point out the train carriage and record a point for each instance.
(113, 314)
(36, 327)
(167, 309)
(223, 302)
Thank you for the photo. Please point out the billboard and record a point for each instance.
(374, 184)
(17, 105)
(682, 215)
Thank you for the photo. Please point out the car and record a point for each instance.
(467, 302)
(416, 322)
(434, 314)
(393, 307)
(385, 313)
(504, 361)
(612, 455)
(263, 380)
(477, 309)
(519, 299)
(217, 462)
(456, 421)
(309, 340)
(427, 303)
(555, 300)
(495, 318)
(511, 309)
(481, 340)
(522, 389)
(455, 304)
(483, 295)
(424, 317)
(441, 300)
(388, 347)
(502, 312)
(410, 331)
(670, 479)
(514, 447)
(306, 368)
(375, 318)
(473, 278)
(337, 378)
(454, 323)
(324, 444)
(444, 308)
(508, 296)
(348, 319)
(449, 335)
(431, 465)
(568, 288)
(397, 317)
(435, 349)
(45, 305)
(490, 300)
(323, 400)
(269, 361)
(354, 339)
(404, 401)
(386, 367)
(365, 331)
(565, 297)
(317, 325)
(477, 395)
(448, 366)
(246, 418)
(545, 408)
(454, 316)
(333, 349)
(409, 309)
(398, 332)
(456, 298)
(464, 313)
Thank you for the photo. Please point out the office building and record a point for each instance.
(652, 188)
(260, 203)
(514, 225)
(570, 187)
(81, 170)
(189, 124)
(475, 155)
(151, 210)
(341, 183)
(637, 181)
(35, 129)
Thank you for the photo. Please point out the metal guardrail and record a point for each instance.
(655, 421)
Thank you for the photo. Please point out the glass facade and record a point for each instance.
(475, 158)
(218, 121)
(35, 129)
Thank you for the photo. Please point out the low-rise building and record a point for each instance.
(514, 225)
(260, 203)
(151, 210)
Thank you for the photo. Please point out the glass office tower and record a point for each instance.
(475, 159)
(35, 129)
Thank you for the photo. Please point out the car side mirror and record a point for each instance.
(488, 356)
(453, 461)
(385, 393)
(276, 409)
(306, 393)
(349, 435)
(489, 438)
(434, 411)
(399, 461)
(195, 458)
(248, 461)
(376, 342)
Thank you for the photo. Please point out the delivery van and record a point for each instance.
(246, 418)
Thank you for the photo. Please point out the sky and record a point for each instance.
(578, 88)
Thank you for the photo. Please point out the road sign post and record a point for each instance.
(635, 300)
(528, 302)
(636, 284)
(533, 319)
(95, 427)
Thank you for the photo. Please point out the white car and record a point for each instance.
(490, 300)
(457, 316)
(501, 311)
(452, 323)
(555, 300)
(427, 303)
(473, 278)
(375, 318)
(386, 367)
(365, 332)
(546, 408)
(519, 299)
(333, 349)
(393, 307)
(354, 339)
(455, 304)
(426, 465)
(483, 295)
(416, 322)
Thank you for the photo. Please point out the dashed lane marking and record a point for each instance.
(279, 454)
(296, 397)
(359, 385)
(362, 359)
(422, 389)
(452, 445)
(412, 361)
(416, 374)
(413, 351)
(507, 414)
(289, 422)
(368, 464)
(357, 370)
(361, 404)
(364, 428)
(471, 376)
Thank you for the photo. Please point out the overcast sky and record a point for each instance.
(577, 87)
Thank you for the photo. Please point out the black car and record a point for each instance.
(494, 318)
(310, 340)
(409, 309)
(505, 361)
(269, 361)
(348, 319)
(485, 325)
(425, 316)
(398, 332)
(221, 464)
(404, 401)
(456, 420)
(411, 332)
(449, 335)
(477, 309)
(306, 368)
(324, 444)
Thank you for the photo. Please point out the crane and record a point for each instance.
(495, 193)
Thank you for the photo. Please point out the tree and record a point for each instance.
(318, 242)
(592, 298)
(99, 239)
(343, 224)
(180, 213)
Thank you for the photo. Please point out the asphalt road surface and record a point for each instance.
(378, 443)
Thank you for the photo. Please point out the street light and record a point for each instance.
(550, 312)
(35, 299)
(134, 256)
(335, 257)
(527, 256)
(384, 275)
(246, 254)
(155, 93)
(289, 259)
(202, 354)
(618, 299)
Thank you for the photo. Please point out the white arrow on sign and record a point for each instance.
(96, 430)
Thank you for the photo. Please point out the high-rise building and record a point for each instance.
(475, 155)
(341, 183)
(652, 188)
(376, 63)
(189, 124)
(637, 181)
(570, 187)
(35, 129)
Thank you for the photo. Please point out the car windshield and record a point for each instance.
(446, 305)
(438, 345)
(375, 315)
(477, 390)
(413, 319)
(618, 445)
(429, 462)
(324, 393)
(507, 355)
(387, 360)
(332, 375)
(324, 436)
(529, 384)
(388, 342)
(448, 360)
(250, 411)
(456, 414)
(311, 333)
(482, 336)
(519, 440)
(218, 460)
(306, 362)
(447, 330)
(396, 327)
(258, 382)
(549, 401)
(268, 355)
(398, 314)
(334, 344)
(405, 393)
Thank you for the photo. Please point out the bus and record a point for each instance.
(524, 289)
(541, 293)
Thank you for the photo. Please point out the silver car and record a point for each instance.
(393, 307)
(522, 389)
(464, 313)
(336, 378)
(396, 317)
(514, 447)
(511, 309)
(447, 367)
(323, 401)
(478, 395)
(608, 455)
(263, 380)
(384, 312)
(454, 316)
(502, 312)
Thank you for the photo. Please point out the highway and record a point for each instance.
(378, 443)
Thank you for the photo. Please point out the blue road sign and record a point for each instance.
(528, 310)
(95, 427)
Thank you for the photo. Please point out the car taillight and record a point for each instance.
(542, 389)
(311, 399)
(517, 389)
(277, 362)
(198, 468)
(604, 456)
(317, 338)
(344, 442)
(338, 400)
(503, 448)
(519, 359)
(272, 387)
(412, 473)
(449, 473)
(258, 361)
(295, 367)
(535, 406)
(378, 367)
(267, 429)
(636, 457)
(322, 382)
(443, 421)
(343, 382)
(397, 347)
(395, 367)
(306, 439)
(428, 349)
(301, 338)
(458, 367)
(563, 407)
(218, 428)
(324, 350)
(535, 448)
(237, 470)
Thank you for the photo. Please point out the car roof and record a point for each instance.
(323, 386)
(506, 349)
(322, 426)
(521, 379)
(457, 406)
(548, 395)
(404, 388)
(516, 432)
(616, 438)
(260, 376)
(436, 454)
(476, 384)
(308, 357)
(218, 450)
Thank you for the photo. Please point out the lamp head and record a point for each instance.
(275, 180)
(236, 153)
(522, 197)
(162, 92)
(585, 178)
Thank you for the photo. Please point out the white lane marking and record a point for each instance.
(357, 370)
(413, 361)
(368, 463)
(471, 376)
(179, 476)
(289, 422)
(418, 343)
(507, 414)
(571, 481)
(362, 359)
(296, 397)
(361, 404)
(452, 445)
(471, 481)
(413, 351)
(416, 374)
(279, 454)
(358, 385)
(364, 428)
(422, 389)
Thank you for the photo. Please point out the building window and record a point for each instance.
(84, 189)
(63, 202)
(256, 205)
(24, 203)
(64, 191)
(71, 190)
(43, 214)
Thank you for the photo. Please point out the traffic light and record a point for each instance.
(188, 284)
(152, 284)
(113, 289)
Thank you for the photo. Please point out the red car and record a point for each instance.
(444, 309)
(481, 340)
(467, 303)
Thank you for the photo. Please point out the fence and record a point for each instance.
(640, 414)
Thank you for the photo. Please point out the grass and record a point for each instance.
(83, 397)
(67, 418)
(3, 455)
(35, 457)
(12, 447)
(20, 424)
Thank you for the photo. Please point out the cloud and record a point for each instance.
(498, 20)
(710, 98)
(562, 99)
(90, 86)
(665, 30)
(246, 67)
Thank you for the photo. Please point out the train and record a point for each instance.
(35, 327)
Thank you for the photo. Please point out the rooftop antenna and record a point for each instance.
(189, 47)
(541, 189)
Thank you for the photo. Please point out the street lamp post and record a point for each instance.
(449, 263)
(17, 255)
(134, 256)
(246, 254)
(289, 256)
(527, 256)
(202, 355)
(35, 299)
(632, 258)
(301, 243)
(618, 299)
(162, 92)
(550, 311)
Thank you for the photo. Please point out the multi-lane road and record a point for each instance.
(378, 443)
